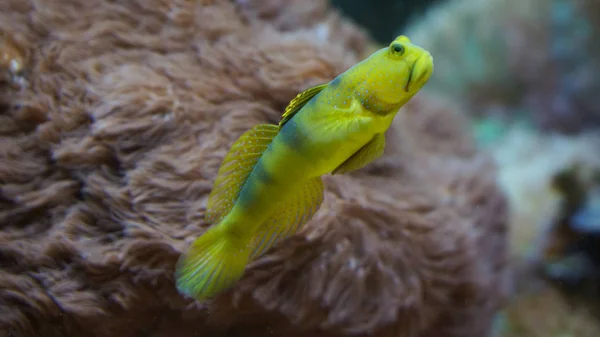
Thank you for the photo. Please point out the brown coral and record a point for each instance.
(112, 137)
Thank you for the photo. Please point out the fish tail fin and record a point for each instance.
(214, 262)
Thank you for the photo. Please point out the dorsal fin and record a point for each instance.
(299, 101)
(235, 169)
(292, 213)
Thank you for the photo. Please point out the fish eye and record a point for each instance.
(397, 48)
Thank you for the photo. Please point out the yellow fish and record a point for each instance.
(269, 184)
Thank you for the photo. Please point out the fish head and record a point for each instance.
(396, 73)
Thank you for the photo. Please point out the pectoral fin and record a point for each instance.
(371, 151)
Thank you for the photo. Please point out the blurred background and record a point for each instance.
(526, 72)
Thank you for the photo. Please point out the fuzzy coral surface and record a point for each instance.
(114, 118)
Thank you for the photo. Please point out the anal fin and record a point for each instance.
(366, 154)
(292, 213)
(235, 169)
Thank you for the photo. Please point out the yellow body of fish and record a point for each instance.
(269, 184)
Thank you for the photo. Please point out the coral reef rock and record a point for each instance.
(114, 118)
(527, 163)
(546, 312)
(548, 179)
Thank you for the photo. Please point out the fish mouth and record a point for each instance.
(420, 71)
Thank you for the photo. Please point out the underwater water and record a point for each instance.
(299, 168)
